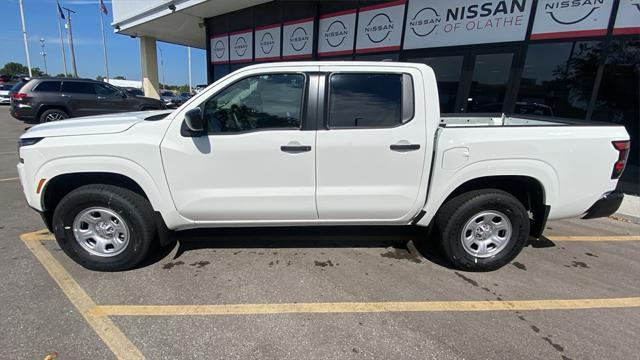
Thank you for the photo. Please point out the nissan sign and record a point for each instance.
(571, 18)
(462, 22)
(337, 33)
(380, 27)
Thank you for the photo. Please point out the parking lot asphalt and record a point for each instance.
(316, 293)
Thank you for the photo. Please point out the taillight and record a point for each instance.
(19, 96)
(623, 148)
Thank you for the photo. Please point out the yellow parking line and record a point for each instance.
(39, 235)
(115, 340)
(364, 307)
(9, 179)
(595, 238)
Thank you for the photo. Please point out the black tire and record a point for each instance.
(134, 209)
(58, 114)
(454, 215)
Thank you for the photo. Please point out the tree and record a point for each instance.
(120, 77)
(100, 78)
(14, 69)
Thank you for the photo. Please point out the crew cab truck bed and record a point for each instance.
(317, 143)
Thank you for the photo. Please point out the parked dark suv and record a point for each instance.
(51, 99)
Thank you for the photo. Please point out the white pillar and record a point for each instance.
(149, 61)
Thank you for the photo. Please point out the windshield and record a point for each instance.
(6, 86)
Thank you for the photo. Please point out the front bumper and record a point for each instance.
(606, 206)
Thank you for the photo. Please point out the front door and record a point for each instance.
(256, 164)
(371, 152)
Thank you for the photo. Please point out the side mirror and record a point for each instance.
(194, 120)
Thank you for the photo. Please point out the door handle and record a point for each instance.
(404, 147)
(295, 148)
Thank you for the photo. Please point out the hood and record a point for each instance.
(91, 125)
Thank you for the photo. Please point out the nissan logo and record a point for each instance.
(379, 28)
(267, 43)
(425, 22)
(219, 49)
(336, 33)
(554, 10)
(241, 46)
(300, 37)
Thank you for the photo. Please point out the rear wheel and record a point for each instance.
(104, 227)
(53, 115)
(482, 230)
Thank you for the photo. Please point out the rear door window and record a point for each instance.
(78, 87)
(48, 86)
(361, 100)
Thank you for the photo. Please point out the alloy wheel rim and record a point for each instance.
(486, 234)
(54, 117)
(101, 231)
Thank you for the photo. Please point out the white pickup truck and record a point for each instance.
(316, 143)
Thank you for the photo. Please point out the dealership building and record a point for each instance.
(576, 59)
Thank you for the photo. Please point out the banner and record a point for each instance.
(380, 27)
(628, 19)
(241, 46)
(571, 18)
(462, 22)
(337, 33)
(297, 39)
(267, 42)
(220, 49)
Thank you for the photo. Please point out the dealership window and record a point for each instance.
(259, 102)
(618, 98)
(365, 100)
(379, 57)
(558, 78)
(448, 70)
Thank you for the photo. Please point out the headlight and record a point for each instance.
(28, 141)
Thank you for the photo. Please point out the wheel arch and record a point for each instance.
(533, 183)
(44, 108)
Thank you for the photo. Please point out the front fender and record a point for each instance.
(157, 193)
(447, 181)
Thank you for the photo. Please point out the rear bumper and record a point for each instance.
(22, 113)
(606, 206)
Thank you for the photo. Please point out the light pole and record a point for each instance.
(70, 33)
(162, 85)
(190, 85)
(44, 55)
(24, 37)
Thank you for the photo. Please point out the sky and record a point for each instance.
(123, 51)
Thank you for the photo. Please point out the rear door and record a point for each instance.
(81, 98)
(371, 149)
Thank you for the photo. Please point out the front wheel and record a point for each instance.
(482, 230)
(104, 227)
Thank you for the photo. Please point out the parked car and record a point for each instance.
(185, 96)
(134, 91)
(170, 99)
(5, 78)
(5, 90)
(51, 99)
(199, 88)
(317, 143)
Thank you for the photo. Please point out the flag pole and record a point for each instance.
(64, 56)
(24, 37)
(101, 10)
